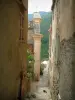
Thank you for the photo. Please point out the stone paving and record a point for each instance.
(41, 88)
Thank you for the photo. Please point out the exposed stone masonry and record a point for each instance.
(67, 68)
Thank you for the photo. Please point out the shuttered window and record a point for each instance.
(21, 37)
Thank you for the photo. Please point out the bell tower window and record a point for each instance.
(37, 28)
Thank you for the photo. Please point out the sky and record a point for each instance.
(39, 5)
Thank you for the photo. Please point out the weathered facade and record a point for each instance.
(13, 43)
(62, 59)
(37, 44)
(30, 36)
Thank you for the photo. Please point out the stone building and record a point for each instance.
(62, 49)
(13, 48)
(37, 44)
(30, 36)
(34, 41)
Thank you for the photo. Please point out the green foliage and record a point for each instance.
(45, 24)
(41, 71)
(42, 68)
(30, 57)
(30, 65)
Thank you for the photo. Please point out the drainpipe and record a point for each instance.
(20, 86)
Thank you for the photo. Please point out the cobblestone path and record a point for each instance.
(41, 89)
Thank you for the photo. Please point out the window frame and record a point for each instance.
(21, 36)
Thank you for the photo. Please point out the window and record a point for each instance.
(37, 27)
(21, 37)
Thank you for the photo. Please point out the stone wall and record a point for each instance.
(62, 63)
(66, 68)
(54, 59)
(66, 50)
(10, 50)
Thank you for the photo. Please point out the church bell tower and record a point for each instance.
(37, 44)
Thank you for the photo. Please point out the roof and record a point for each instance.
(36, 15)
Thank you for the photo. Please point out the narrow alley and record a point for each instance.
(40, 89)
(31, 32)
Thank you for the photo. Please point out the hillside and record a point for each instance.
(45, 24)
(42, 13)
